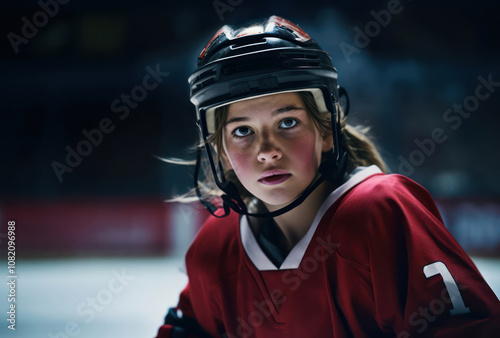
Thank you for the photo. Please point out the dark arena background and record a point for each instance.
(92, 92)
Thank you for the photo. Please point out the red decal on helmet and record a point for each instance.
(297, 31)
(217, 35)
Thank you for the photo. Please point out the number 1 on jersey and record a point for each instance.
(439, 268)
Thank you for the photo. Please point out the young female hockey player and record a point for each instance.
(312, 238)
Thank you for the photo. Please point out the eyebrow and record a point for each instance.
(274, 113)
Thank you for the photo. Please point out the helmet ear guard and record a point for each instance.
(344, 100)
(278, 58)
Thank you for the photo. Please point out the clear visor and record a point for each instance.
(316, 92)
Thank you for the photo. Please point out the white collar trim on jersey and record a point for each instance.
(292, 261)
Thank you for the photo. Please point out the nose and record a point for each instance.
(268, 151)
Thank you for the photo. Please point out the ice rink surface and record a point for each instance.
(110, 297)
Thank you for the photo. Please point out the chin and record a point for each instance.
(278, 201)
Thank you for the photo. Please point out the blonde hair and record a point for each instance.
(359, 147)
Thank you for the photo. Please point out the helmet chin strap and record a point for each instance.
(328, 171)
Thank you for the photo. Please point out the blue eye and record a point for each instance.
(288, 123)
(242, 131)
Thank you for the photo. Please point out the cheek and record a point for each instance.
(240, 162)
(306, 153)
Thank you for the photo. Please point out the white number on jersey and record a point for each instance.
(457, 303)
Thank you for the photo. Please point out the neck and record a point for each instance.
(295, 223)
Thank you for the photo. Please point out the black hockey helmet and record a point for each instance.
(274, 57)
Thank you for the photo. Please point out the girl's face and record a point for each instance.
(273, 146)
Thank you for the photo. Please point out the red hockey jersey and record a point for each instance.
(377, 261)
